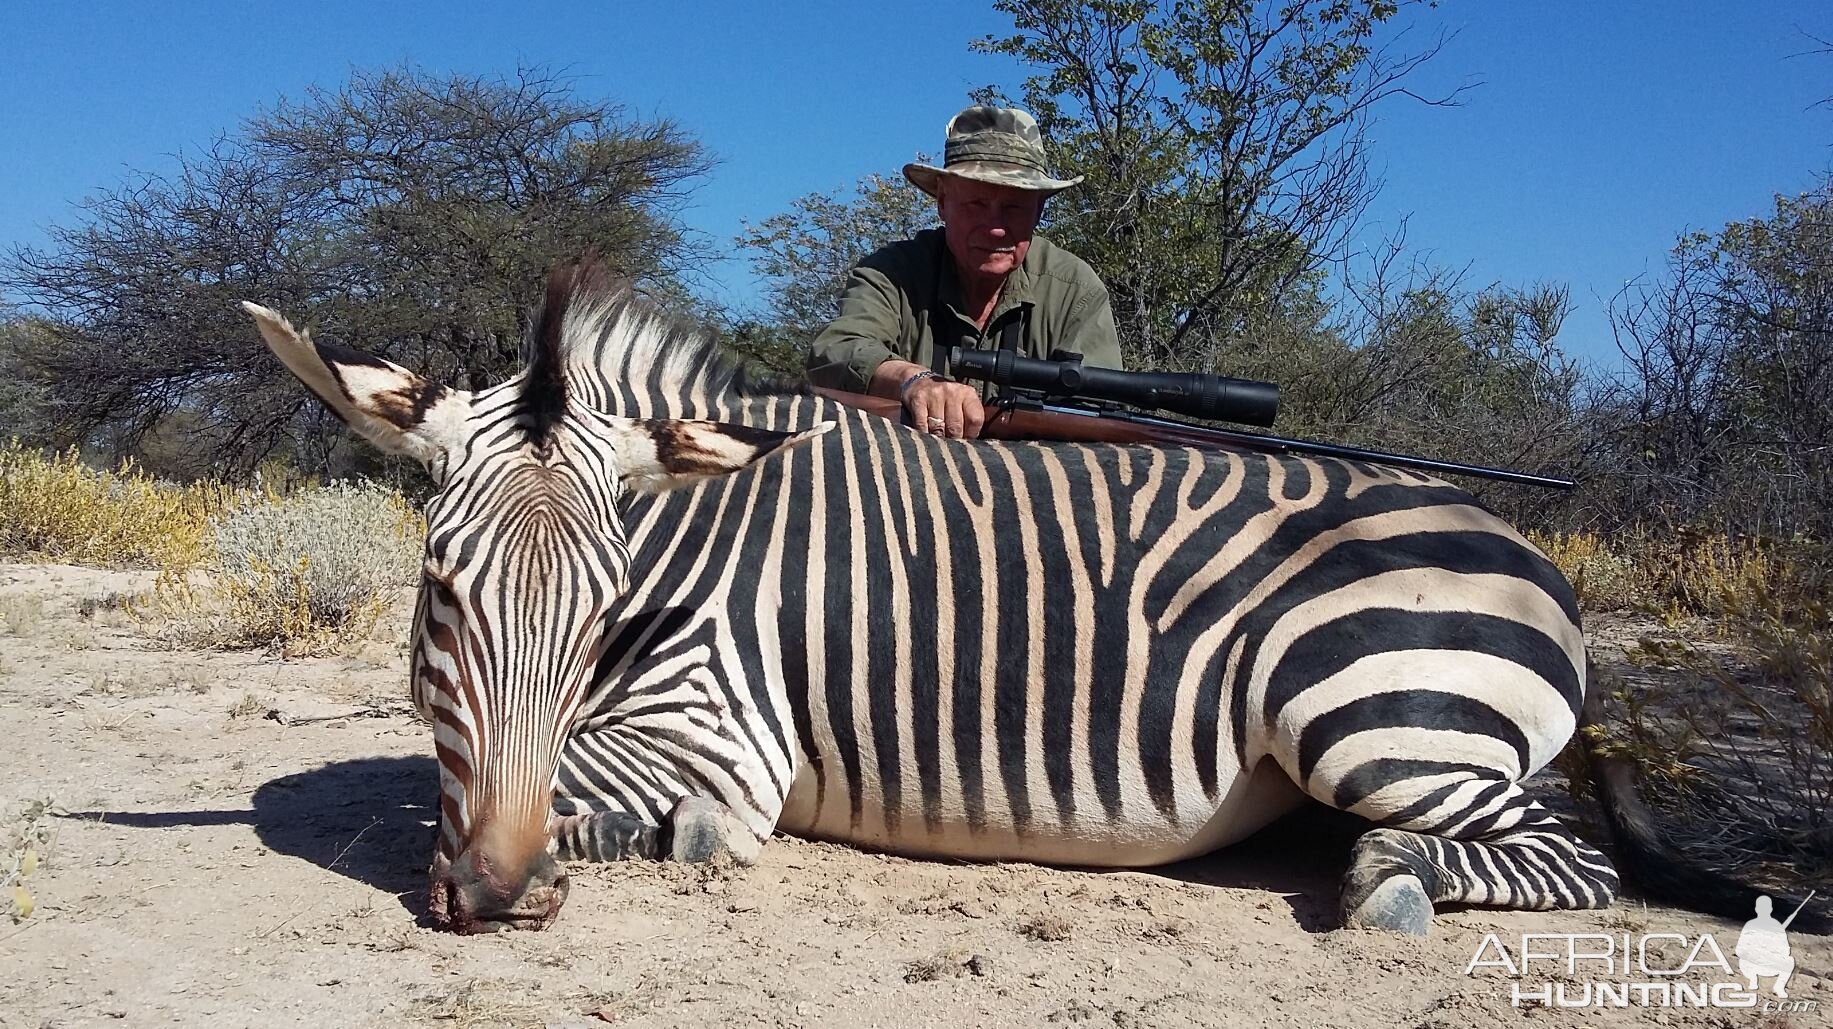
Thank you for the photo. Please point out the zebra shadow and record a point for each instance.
(1300, 859)
(370, 819)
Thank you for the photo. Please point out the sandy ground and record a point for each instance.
(243, 843)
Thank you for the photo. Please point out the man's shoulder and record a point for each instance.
(903, 258)
(1048, 259)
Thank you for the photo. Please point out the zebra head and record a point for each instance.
(525, 554)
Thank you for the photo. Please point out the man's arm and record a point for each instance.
(861, 351)
(862, 337)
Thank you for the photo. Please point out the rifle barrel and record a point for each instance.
(1791, 915)
(1287, 445)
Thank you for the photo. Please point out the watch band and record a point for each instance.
(903, 391)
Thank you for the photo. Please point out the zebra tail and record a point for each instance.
(1645, 853)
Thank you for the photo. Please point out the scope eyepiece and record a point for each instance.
(1191, 394)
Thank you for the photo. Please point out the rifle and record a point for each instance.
(1060, 399)
(1791, 918)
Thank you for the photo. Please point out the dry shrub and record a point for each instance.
(1736, 749)
(1676, 573)
(23, 843)
(1046, 928)
(56, 508)
(305, 573)
(20, 615)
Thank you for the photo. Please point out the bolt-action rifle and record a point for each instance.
(1062, 399)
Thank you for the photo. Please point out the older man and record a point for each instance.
(984, 276)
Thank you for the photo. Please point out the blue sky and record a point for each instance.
(1599, 130)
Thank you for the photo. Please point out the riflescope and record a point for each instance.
(1191, 394)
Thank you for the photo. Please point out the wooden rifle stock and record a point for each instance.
(1080, 425)
(1066, 426)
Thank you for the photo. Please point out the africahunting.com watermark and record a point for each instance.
(1667, 970)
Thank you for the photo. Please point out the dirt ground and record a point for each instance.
(241, 841)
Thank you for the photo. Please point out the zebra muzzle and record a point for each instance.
(472, 895)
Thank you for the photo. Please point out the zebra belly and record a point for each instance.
(1140, 836)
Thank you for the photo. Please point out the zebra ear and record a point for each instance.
(658, 455)
(386, 404)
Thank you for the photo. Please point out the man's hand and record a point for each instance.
(951, 409)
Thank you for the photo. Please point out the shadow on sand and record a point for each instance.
(370, 820)
(1299, 859)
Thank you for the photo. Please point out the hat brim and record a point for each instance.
(926, 178)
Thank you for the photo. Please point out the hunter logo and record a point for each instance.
(1667, 970)
(1763, 948)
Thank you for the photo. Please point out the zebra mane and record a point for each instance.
(600, 343)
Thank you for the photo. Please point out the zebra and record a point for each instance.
(669, 609)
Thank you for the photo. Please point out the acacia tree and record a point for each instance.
(22, 394)
(1222, 143)
(406, 214)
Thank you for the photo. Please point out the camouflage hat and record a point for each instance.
(1000, 145)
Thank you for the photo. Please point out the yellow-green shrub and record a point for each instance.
(56, 508)
(1684, 573)
(302, 569)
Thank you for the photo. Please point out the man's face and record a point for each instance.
(988, 226)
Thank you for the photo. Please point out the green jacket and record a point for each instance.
(890, 304)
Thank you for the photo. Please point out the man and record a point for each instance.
(1762, 948)
(981, 280)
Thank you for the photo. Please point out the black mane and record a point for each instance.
(596, 342)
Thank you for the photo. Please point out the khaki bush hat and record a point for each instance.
(1001, 145)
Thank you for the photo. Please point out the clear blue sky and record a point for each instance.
(1600, 130)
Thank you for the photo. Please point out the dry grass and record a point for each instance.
(113, 608)
(248, 708)
(56, 508)
(304, 570)
(308, 573)
(948, 964)
(1676, 573)
(477, 1003)
(21, 615)
(1045, 928)
(136, 684)
(1730, 716)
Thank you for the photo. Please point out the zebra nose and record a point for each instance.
(473, 895)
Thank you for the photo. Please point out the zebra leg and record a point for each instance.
(696, 830)
(1474, 841)
(605, 836)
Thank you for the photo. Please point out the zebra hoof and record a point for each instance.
(1398, 904)
(702, 830)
